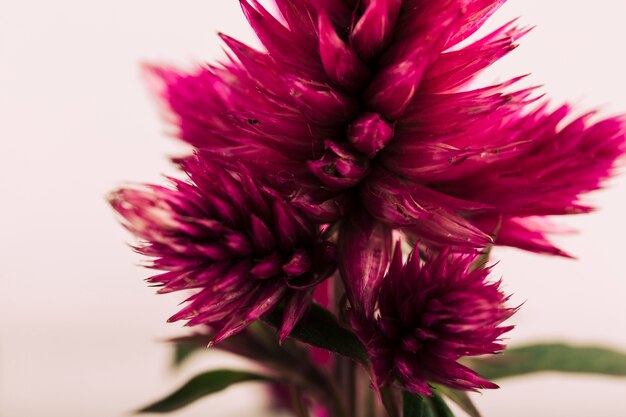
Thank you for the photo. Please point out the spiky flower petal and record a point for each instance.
(429, 315)
(370, 104)
(240, 247)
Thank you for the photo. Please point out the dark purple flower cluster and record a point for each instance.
(358, 123)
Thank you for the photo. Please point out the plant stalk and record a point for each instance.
(389, 401)
(297, 401)
(352, 388)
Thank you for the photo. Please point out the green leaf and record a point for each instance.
(200, 386)
(321, 329)
(184, 350)
(461, 399)
(556, 357)
(422, 406)
(439, 406)
(389, 399)
(415, 405)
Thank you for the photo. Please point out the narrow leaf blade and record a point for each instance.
(183, 351)
(461, 399)
(555, 357)
(422, 406)
(201, 386)
(320, 329)
(415, 406)
(439, 406)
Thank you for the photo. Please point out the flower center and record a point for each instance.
(341, 166)
(345, 164)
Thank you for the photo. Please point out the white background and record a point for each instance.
(79, 330)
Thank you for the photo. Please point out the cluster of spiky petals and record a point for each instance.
(367, 104)
(429, 315)
(241, 247)
(361, 114)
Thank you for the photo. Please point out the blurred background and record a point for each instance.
(80, 333)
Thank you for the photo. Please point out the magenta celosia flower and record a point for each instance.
(240, 246)
(369, 104)
(428, 316)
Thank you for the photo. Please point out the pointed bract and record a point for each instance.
(364, 250)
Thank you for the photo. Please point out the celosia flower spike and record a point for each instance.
(233, 241)
(369, 104)
(429, 315)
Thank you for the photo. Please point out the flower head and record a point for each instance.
(429, 315)
(370, 104)
(236, 243)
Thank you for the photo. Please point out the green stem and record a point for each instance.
(298, 402)
(370, 403)
(351, 376)
(338, 405)
(482, 259)
(389, 401)
(342, 375)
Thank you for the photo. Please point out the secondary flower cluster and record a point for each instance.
(359, 124)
